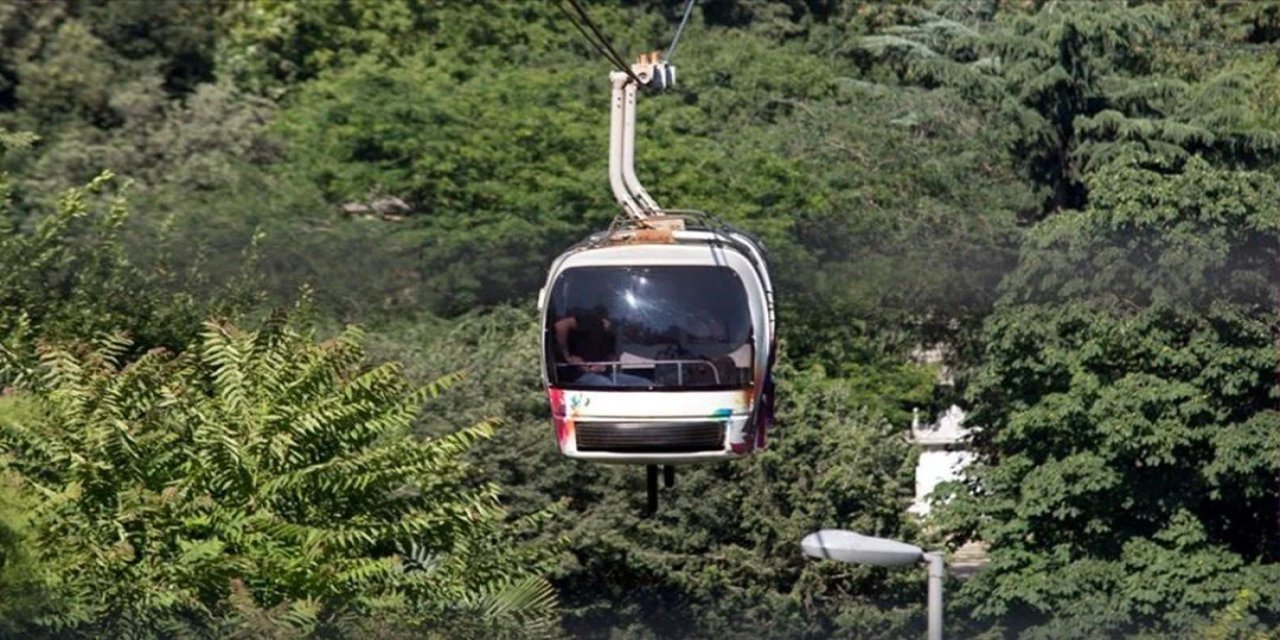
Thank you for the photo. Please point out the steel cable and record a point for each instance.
(612, 55)
(671, 51)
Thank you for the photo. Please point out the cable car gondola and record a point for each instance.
(658, 334)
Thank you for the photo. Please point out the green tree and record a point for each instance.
(258, 477)
(1125, 411)
(1076, 84)
(174, 152)
(271, 47)
(490, 169)
(71, 276)
(22, 592)
(179, 39)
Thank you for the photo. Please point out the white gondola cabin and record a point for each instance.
(657, 346)
(658, 335)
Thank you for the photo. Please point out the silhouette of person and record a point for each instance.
(585, 338)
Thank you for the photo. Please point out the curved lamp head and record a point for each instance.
(847, 546)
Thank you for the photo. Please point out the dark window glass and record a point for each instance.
(673, 327)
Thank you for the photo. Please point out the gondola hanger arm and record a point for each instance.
(651, 72)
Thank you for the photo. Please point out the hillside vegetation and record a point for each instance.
(269, 357)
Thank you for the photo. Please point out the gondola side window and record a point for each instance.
(661, 327)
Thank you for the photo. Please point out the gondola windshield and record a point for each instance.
(658, 327)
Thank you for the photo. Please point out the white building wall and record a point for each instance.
(943, 455)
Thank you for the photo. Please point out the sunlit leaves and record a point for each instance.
(259, 469)
(1125, 409)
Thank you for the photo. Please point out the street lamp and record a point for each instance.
(854, 548)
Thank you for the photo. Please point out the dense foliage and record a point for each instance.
(1073, 202)
(247, 483)
(260, 479)
(1127, 410)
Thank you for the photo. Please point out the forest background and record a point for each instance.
(1075, 202)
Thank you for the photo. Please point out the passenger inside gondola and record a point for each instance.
(586, 339)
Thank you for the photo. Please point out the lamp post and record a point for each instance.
(854, 548)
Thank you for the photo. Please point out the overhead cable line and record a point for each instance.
(586, 19)
(671, 51)
(612, 55)
(581, 29)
